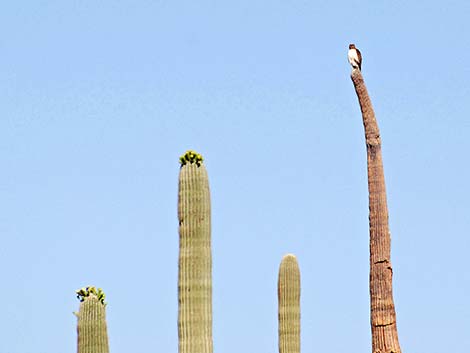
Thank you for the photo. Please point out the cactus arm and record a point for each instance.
(195, 259)
(91, 323)
(289, 305)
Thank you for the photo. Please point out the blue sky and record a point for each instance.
(100, 99)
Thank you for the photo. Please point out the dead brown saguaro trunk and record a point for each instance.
(382, 309)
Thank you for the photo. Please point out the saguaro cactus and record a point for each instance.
(288, 290)
(383, 316)
(91, 327)
(195, 259)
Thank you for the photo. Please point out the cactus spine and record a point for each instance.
(91, 326)
(195, 259)
(289, 305)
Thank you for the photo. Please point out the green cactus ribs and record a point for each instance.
(289, 305)
(85, 292)
(194, 259)
(191, 157)
(92, 332)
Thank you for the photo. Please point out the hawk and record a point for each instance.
(354, 57)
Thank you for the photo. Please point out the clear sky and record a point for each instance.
(100, 98)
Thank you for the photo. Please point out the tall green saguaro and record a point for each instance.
(195, 259)
(91, 326)
(288, 290)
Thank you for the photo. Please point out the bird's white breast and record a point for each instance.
(352, 57)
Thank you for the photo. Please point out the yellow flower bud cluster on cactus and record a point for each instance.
(191, 157)
(84, 292)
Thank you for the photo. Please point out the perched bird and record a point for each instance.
(354, 57)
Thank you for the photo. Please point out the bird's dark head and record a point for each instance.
(352, 46)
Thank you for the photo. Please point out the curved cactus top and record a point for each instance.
(289, 258)
(191, 157)
(85, 292)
